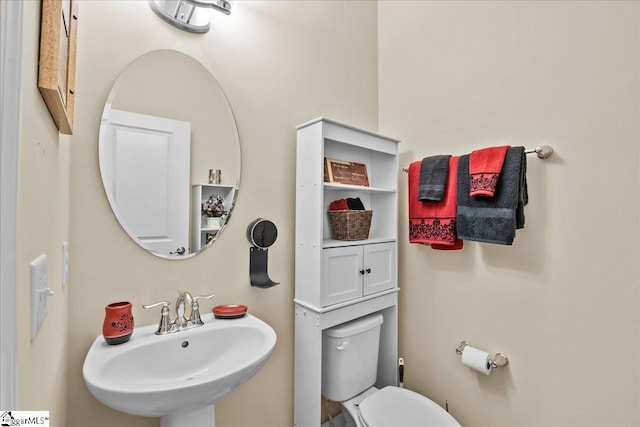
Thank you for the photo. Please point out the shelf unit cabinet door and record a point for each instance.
(380, 267)
(341, 276)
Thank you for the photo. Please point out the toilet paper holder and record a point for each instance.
(500, 359)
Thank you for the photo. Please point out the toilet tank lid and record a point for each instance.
(354, 327)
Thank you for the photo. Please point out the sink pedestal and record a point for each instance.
(189, 416)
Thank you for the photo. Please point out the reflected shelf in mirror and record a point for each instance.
(208, 231)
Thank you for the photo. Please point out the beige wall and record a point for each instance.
(280, 64)
(562, 302)
(43, 224)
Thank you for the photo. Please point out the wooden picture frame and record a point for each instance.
(345, 172)
(57, 62)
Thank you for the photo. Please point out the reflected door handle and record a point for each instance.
(368, 270)
(180, 251)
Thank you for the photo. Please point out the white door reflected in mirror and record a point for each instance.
(152, 158)
(157, 143)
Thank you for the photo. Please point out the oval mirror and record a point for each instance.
(169, 154)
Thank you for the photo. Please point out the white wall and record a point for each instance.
(562, 302)
(280, 63)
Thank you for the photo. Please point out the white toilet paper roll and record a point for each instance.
(476, 359)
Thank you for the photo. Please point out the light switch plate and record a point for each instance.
(39, 293)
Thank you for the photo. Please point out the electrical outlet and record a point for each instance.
(65, 264)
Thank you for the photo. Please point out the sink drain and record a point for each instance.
(185, 344)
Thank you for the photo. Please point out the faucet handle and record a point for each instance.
(164, 326)
(164, 304)
(195, 299)
(195, 319)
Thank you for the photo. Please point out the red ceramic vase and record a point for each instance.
(118, 323)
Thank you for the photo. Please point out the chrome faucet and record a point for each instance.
(184, 302)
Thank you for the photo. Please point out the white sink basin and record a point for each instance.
(178, 376)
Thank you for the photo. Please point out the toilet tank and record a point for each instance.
(350, 357)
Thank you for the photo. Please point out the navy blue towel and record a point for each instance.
(495, 219)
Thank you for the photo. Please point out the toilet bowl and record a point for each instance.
(349, 371)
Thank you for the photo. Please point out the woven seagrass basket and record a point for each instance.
(349, 224)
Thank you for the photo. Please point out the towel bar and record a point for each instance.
(543, 152)
(497, 361)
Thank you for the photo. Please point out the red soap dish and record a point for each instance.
(229, 311)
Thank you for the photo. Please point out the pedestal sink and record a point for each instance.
(178, 376)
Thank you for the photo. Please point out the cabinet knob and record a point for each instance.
(362, 272)
(368, 270)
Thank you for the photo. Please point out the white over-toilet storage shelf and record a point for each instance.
(337, 281)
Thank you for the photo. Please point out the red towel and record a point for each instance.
(339, 205)
(457, 245)
(484, 170)
(431, 222)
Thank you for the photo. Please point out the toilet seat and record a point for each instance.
(399, 407)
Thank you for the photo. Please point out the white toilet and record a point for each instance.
(349, 370)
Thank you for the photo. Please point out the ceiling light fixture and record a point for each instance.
(189, 15)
